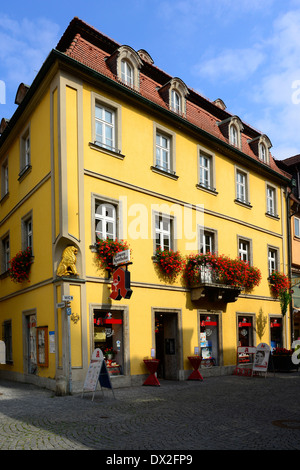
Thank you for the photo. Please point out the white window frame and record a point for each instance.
(176, 102)
(207, 242)
(127, 73)
(245, 249)
(5, 247)
(106, 125)
(4, 178)
(104, 218)
(97, 200)
(233, 135)
(27, 231)
(271, 200)
(25, 152)
(273, 259)
(116, 109)
(162, 233)
(170, 168)
(242, 186)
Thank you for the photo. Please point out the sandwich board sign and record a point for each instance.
(261, 359)
(97, 372)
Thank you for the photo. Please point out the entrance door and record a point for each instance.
(166, 344)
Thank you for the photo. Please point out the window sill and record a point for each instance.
(207, 189)
(24, 172)
(173, 176)
(3, 199)
(243, 203)
(272, 216)
(112, 153)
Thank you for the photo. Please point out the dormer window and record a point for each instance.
(174, 94)
(232, 129)
(261, 147)
(233, 135)
(175, 101)
(125, 63)
(126, 73)
(262, 153)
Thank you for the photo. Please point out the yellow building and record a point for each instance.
(104, 144)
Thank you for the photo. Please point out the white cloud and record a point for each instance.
(24, 46)
(231, 65)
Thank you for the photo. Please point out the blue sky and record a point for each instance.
(245, 52)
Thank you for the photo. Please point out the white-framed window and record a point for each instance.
(207, 242)
(244, 250)
(205, 170)
(297, 227)
(272, 259)
(242, 186)
(105, 220)
(104, 126)
(28, 232)
(163, 152)
(176, 102)
(263, 153)
(233, 135)
(25, 152)
(4, 178)
(127, 73)
(271, 201)
(164, 232)
(5, 253)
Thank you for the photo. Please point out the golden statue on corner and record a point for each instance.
(68, 262)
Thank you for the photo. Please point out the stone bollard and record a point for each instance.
(61, 386)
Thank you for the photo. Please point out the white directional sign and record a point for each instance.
(122, 258)
(67, 298)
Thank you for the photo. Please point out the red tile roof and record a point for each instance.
(90, 47)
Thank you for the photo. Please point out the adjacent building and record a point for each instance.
(105, 145)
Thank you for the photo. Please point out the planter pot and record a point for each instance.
(109, 357)
(283, 363)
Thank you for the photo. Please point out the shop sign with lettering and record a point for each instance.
(121, 285)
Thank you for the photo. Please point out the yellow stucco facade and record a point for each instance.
(66, 177)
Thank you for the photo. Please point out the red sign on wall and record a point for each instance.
(121, 285)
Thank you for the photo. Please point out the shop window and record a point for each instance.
(209, 339)
(109, 337)
(276, 332)
(245, 336)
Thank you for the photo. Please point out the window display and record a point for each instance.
(108, 336)
(209, 340)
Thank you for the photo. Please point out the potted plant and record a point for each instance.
(280, 286)
(107, 249)
(224, 270)
(282, 359)
(20, 266)
(109, 353)
(169, 262)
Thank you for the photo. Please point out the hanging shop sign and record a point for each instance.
(120, 284)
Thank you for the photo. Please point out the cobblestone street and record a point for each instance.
(220, 413)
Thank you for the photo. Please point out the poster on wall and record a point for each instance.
(261, 358)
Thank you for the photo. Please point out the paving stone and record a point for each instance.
(219, 413)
